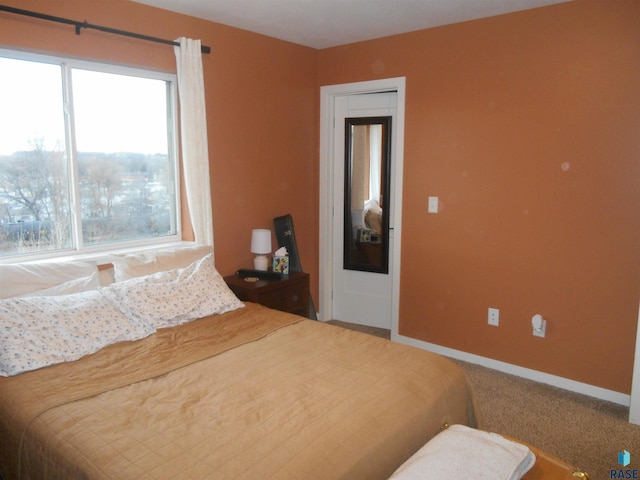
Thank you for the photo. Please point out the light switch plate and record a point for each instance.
(433, 205)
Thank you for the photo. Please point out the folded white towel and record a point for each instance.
(462, 453)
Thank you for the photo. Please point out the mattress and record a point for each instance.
(252, 393)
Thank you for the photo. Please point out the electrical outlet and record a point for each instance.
(493, 317)
(539, 325)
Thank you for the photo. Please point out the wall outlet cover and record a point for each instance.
(493, 317)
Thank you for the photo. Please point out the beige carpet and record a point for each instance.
(378, 332)
(583, 431)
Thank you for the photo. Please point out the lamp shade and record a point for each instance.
(261, 241)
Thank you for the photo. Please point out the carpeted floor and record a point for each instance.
(583, 431)
(378, 332)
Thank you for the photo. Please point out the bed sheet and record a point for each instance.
(252, 393)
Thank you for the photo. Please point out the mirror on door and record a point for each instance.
(366, 194)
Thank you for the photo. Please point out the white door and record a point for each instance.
(634, 410)
(360, 297)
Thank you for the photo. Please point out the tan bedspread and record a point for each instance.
(253, 393)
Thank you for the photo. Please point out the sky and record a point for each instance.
(113, 113)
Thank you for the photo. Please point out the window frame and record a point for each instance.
(79, 250)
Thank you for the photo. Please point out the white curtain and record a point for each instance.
(193, 126)
(375, 147)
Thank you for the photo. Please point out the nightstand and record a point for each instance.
(291, 294)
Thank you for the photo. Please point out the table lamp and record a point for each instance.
(261, 245)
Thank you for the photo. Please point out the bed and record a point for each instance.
(245, 392)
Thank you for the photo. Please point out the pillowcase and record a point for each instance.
(166, 299)
(20, 279)
(39, 331)
(92, 282)
(141, 264)
(464, 452)
(373, 216)
(106, 275)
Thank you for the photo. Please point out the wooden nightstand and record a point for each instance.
(291, 294)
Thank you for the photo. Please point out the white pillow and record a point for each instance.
(170, 298)
(107, 276)
(39, 331)
(92, 282)
(141, 264)
(19, 279)
(461, 452)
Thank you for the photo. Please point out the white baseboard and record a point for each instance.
(553, 380)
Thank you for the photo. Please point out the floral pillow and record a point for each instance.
(171, 298)
(39, 331)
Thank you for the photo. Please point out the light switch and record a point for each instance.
(433, 205)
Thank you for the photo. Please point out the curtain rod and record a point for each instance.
(80, 25)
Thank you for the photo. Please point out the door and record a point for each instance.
(363, 208)
(329, 94)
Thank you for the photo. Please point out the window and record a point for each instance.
(87, 156)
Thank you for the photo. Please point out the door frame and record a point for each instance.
(327, 98)
(634, 401)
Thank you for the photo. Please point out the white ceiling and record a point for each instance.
(327, 23)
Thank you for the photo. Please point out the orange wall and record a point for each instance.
(262, 105)
(526, 126)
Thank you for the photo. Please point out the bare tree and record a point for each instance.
(120, 194)
(102, 180)
(36, 183)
